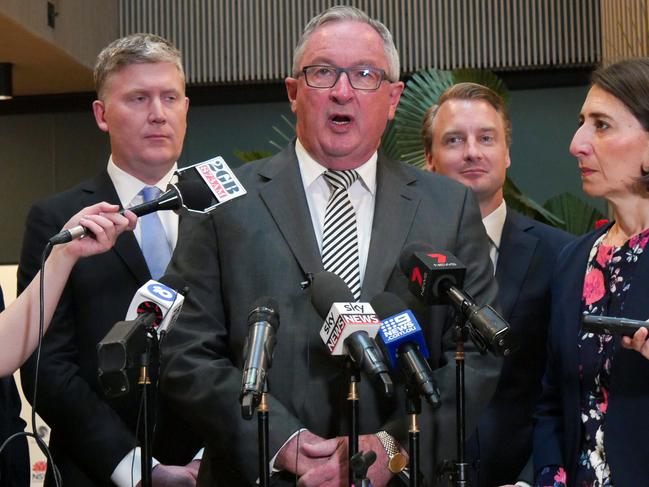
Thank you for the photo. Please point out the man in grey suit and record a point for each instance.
(467, 137)
(343, 90)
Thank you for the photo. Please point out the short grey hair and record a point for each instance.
(341, 13)
(134, 49)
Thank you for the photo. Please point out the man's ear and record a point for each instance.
(99, 111)
(291, 91)
(430, 162)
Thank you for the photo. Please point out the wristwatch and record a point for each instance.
(397, 461)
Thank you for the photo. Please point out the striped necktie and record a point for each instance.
(340, 233)
(153, 238)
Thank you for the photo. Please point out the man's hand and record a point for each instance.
(639, 342)
(174, 475)
(193, 467)
(298, 458)
(334, 472)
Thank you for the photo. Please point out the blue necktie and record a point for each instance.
(153, 239)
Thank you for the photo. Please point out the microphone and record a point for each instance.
(607, 325)
(349, 327)
(155, 306)
(263, 322)
(161, 299)
(405, 345)
(436, 277)
(189, 194)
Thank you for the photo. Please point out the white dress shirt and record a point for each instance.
(362, 195)
(493, 224)
(128, 188)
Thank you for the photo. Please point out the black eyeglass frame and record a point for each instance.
(340, 71)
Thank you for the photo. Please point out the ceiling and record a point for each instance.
(39, 67)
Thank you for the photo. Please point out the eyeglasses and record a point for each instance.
(364, 78)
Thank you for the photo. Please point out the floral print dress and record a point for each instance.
(608, 278)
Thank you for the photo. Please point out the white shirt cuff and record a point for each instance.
(129, 471)
(199, 454)
(520, 483)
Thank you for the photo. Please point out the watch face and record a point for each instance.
(397, 463)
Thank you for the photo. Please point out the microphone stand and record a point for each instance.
(458, 470)
(145, 383)
(262, 432)
(352, 411)
(413, 408)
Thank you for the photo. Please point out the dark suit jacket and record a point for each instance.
(90, 433)
(14, 460)
(557, 433)
(264, 244)
(526, 258)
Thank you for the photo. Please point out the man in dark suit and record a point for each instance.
(142, 106)
(14, 460)
(344, 88)
(467, 137)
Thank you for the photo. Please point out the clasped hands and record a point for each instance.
(175, 475)
(325, 462)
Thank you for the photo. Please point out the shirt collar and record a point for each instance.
(494, 223)
(311, 169)
(128, 186)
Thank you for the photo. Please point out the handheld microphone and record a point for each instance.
(349, 327)
(188, 194)
(436, 277)
(405, 345)
(218, 177)
(607, 325)
(263, 322)
(155, 306)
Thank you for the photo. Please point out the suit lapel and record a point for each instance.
(394, 210)
(515, 255)
(126, 248)
(284, 197)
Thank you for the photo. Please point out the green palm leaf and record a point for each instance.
(580, 217)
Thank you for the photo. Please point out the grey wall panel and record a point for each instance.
(226, 41)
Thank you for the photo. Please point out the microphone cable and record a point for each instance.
(41, 331)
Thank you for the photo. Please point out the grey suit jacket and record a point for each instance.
(264, 245)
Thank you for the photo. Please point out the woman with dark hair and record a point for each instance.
(591, 427)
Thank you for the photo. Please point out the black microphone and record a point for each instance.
(405, 345)
(154, 309)
(608, 325)
(191, 194)
(349, 327)
(263, 322)
(436, 277)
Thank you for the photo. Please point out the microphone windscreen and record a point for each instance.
(265, 309)
(328, 288)
(387, 304)
(195, 194)
(407, 253)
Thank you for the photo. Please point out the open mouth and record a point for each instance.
(341, 120)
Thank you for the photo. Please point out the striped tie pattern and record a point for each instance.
(340, 233)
